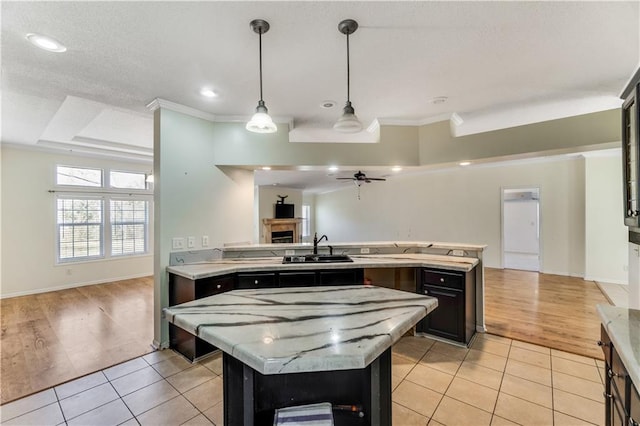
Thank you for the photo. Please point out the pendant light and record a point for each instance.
(261, 122)
(348, 122)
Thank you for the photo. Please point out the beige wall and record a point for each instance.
(194, 197)
(605, 233)
(29, 227)
(463, 205)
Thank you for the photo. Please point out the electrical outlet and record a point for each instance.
(364, 250)
(191, 242)
(458, 252)
(177, 243)
(289, 252)
(205, 241)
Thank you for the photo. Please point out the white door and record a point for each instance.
(520, 229)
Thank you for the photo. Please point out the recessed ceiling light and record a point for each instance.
(464, 163)
(208, 93)
(266, 168)
(396, 169)
(327, 104)
(333, 168)
(438, 100)
(46, 43)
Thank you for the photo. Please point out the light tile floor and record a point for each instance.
(497, 381)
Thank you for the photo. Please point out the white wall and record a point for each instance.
(267, 197)
(29, 227)
(193, 197)
(606, 235)
(463, 205)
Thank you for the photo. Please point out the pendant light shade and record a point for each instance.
(261, 122)
(348, 122)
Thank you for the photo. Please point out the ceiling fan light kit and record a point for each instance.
(348, 122)
(261, 122)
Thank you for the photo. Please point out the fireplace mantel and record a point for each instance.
(281, 225)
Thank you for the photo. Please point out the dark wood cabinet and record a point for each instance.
(297, 279)
(183, 290)
(622, 403)
(630, 159)
(454, 318)
(256, 280)
(341, 277)
(634, 405)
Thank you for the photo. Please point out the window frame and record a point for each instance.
(59, 259)
(106, 193)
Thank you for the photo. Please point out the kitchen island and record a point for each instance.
(410, 266)
(295, 346)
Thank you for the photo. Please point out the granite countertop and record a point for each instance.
(200, 270)
(623, 327)
(359, 245)
(306, 329)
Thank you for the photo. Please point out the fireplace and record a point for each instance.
(281, 237)
(279, 231)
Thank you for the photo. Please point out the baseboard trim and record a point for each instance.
(607, 280)
(75, 285)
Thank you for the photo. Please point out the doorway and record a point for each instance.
(521, 228)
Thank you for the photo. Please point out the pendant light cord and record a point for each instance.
(348, 70)
(260, 47)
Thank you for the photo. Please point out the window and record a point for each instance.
(97, 219)
(128, 227)
(128, 180)
(78, 176)
(306, 213)
(79, 228)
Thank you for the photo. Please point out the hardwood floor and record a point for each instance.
(549, 310)
(50, 338)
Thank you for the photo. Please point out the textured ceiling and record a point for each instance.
(489, 58)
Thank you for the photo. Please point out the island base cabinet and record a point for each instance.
(622, 402)
(251, 398)
(455, 317)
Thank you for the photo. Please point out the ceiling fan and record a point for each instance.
(360, 177)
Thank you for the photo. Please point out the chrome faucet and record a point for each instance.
(316, 241)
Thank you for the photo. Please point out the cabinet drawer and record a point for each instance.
(618, 375)
(605, 344)
(211, 286)
(255, 280)
(443, 278)
(297, 279)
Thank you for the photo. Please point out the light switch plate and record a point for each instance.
(458, 252)
(177, 243)
(191, 242)
(364, 250)
(205, 241)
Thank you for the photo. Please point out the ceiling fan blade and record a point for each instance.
(376, 179)
(345, 178)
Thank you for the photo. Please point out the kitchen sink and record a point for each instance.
(317, 258)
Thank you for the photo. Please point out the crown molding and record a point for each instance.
(173, 106)
(194, 112)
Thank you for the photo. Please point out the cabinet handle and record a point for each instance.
(607, 395)
(441, 280)
(218, 286)
(601, 343)
(255, 282)
(611, 374)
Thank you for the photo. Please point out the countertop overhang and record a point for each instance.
(305, 329)
(199, 270)
(623, 327)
